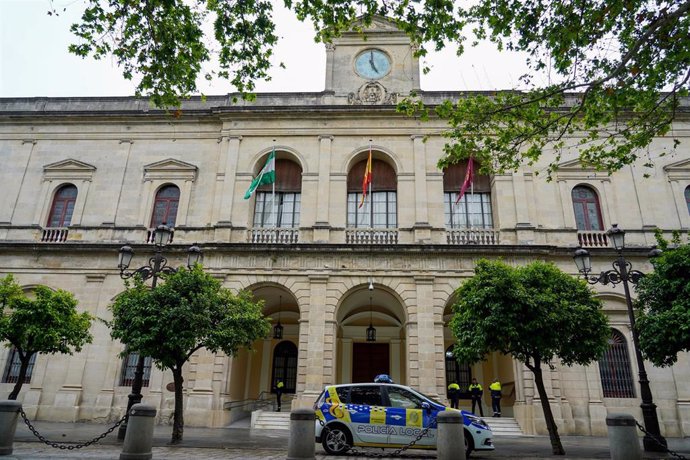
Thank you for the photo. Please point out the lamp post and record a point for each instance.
(623, 273)
(156, 265)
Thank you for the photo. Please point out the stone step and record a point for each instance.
(504, 426)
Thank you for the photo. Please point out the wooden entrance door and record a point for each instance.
(369, 360)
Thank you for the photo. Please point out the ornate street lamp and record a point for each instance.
(623, 273)
(371, 330)
(156, 265)
(278, 328)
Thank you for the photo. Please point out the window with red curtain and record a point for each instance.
(165, 206)
(288, 196)
(473, 210)
(380, 210)
(63, 206)
(587, 209)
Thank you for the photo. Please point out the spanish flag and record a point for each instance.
(367, 179)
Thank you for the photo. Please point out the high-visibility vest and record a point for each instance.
(280, 385)
(496, 386)
(453, 386)
(476, 387)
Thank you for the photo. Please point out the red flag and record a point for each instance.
(469, 175)
(367, 179)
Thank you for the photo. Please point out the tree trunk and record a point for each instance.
(556, 445)
(22, 375)
(178, 416)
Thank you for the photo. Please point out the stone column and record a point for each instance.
(346, 365)
(428, 352)
(13, 180)
(199, 410)
(316, 345)
(330, 49)
(523, 225)
(422, 229)
(227, 197)
(266, 366)
(322, 224)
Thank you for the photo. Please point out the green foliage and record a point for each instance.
(627, 60)
(663, 321)
(46, 323)
(189, 311)
(534, 313)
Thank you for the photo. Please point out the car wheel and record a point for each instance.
(336, 440)
(469, 444)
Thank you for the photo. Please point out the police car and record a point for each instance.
(388, 416)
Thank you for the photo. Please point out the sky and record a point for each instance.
(34, 61)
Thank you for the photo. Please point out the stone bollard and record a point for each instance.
(302, 444)
(623, 440)
(9, 414)
(450, 436)
(139, 436)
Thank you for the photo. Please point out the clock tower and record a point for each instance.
(374, 67)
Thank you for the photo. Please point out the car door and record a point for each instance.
(367, 415)
(408, 415)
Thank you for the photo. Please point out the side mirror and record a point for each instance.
(427, 407)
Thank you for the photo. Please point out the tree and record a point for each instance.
(534, 313)
(47, 322)
(188, 312)
(616, 69)
(663, 306)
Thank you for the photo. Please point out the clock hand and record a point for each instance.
(371, 63)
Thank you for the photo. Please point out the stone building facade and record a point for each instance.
(83, 176)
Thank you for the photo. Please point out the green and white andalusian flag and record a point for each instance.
(266, 176)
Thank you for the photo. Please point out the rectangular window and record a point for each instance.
(381, 208)
(129, 366)
(11, 374)
(472, 211)
(287, 208)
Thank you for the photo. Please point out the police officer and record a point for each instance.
(476, 391)
(495, 389)
(454, 394)
(279, 392)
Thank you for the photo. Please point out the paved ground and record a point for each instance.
(244, 443)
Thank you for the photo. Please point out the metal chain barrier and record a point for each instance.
(656, 440)
(395, 453)
(68, 445)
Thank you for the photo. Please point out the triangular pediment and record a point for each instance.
(680, 170)
(577, 170)
(68, 169)
(170, 169)
(683, 164)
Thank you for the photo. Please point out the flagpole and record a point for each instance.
(275, 216)
(371, 209)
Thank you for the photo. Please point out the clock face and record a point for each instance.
(372, 64)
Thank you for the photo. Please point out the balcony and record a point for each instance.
(461, 236)
(371, 236)
(592, 239)
(261, 235)
(54, 235)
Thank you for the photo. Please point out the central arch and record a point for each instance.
(361, 360)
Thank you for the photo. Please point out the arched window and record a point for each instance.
(687, 197)
(288, 197)
(63, 206)
(380, 210)
(129, 365)
(285, 366)
(587, 209)
(11, 374)
(614, 369)
(165, 206)
(474, 208)
(458, 372)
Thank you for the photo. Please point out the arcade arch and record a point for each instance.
(361, 360)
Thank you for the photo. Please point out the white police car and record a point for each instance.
(386, 415)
